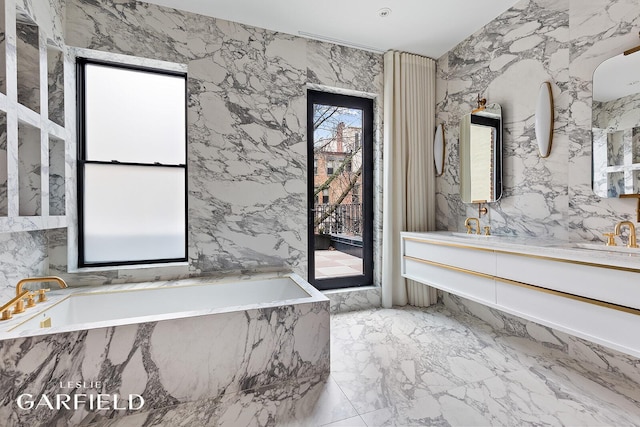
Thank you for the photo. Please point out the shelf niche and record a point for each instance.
(29, 171)
(56, 176)
(28, 62)
(55, 79)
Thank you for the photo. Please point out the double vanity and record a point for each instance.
(588, 290)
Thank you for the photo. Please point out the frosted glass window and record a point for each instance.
(134, 116)
(132, 163)
(133, 213)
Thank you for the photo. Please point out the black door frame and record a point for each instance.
(366, 105)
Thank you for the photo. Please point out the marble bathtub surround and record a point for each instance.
(432, 366)
(168, 359)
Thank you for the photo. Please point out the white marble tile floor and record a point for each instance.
(426, 367)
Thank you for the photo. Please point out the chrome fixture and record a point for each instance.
(632, 233)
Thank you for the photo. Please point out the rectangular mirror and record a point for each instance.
(481, 155)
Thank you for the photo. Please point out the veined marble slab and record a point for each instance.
(165, 361)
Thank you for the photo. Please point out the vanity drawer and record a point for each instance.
(472, 286)
(455, 255)
(599, 283)
(612, 328)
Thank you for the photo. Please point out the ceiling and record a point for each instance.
(426, 27)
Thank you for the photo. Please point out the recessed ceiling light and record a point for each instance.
(384, 12)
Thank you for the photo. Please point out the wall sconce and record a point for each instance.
(438, 150)
(544, 120)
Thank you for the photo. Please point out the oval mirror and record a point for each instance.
(438, 150)
(616, 126)
(481, 155)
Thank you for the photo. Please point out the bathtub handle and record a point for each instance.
(41, 294)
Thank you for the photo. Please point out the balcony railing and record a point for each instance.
(345, 219)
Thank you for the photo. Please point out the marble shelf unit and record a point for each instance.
(32, 134)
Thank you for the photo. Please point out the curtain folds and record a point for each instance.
(409, 177)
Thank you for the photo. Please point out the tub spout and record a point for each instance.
(42, 296)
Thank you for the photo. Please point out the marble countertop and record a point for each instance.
(587, 252)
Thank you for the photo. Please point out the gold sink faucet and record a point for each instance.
(468, 226)
(632, 243)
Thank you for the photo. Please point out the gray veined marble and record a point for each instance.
(506, 61)
(247, 132)
(194, 360)
(433, 366)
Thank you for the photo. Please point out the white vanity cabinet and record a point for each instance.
(590, 294)
(451, 268)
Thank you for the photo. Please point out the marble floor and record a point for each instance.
(425, 367)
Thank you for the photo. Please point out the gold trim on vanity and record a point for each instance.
(548, 258)
(528, 286)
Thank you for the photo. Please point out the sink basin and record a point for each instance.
(603, 247)
(473, 236)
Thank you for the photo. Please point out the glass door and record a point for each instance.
(340, 220)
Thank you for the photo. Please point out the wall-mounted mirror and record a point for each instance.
(481, 155)
(438, 150)
(616, 126)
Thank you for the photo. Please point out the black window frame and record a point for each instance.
(367, 138)
(81, 161)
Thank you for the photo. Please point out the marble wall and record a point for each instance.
(506, 61)
(246, 122)
(246, 128)
(24, 253)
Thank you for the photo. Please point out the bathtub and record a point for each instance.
(162, 344)
(94, 308)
